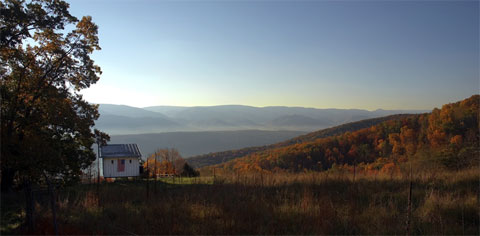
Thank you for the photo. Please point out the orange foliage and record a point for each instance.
(388, 168)
(456, 123)
(456, 140)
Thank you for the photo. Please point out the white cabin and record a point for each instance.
(120, 160)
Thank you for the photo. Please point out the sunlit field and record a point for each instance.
(307, 203)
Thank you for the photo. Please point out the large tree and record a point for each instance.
(46, 126)
(165, 161)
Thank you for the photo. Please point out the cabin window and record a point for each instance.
(130, 161)
(112, 161)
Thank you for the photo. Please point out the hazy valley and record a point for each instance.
(201, 130)
(201, 142)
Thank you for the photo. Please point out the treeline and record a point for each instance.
(167, 162)
(221, 157)
(449, 136)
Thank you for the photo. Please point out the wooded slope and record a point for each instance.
(449, 135)
(221, 157)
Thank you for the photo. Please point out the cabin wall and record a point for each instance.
(110, 167)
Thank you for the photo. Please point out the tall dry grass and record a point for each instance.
(252, 204)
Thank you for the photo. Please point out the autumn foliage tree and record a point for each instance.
(165, 162)
(45, 123)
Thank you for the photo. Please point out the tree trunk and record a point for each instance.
(7, 180)
(155, 177)
(52, 204)
(148, 180)
(354, 171)
(30, 207)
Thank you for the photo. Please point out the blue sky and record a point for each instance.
(323, 54)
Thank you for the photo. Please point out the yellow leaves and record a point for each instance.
(89, 31)
(395, 140)
(158, 167)
(164, 161)
(437, 138)
(407, 135)
(380, 144)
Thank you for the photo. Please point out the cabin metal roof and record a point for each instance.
(120, 150)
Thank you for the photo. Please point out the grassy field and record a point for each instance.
(307, 203)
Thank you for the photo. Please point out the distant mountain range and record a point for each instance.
(121, 119)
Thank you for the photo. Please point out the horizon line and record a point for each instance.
(239, 105)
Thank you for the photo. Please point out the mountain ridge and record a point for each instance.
(226, 117)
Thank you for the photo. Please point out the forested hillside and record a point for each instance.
(449, 136)
(220, 157)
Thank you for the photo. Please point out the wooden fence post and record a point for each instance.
(214, 177)
(148, 180)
